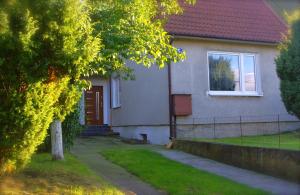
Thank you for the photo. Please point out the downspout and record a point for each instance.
(172, 130)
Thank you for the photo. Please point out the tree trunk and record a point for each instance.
(56, 141)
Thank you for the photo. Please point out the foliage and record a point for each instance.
(45, 176)
(160, 172)
(221, 77)
(48, 48)
(71, 127)
(132, 30)
(45, 46)
(288, 67)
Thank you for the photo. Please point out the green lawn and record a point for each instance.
(171, 176)
(290, 140)
(44, 176)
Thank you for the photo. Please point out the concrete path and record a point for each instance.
(87, 150)
(250, 178)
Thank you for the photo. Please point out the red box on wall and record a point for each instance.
(182, 104)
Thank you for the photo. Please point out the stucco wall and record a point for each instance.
(191, 77)
(144, 101)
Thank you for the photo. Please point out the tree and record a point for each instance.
(288, 66)
(71, 128)
(45, 48)
(48, 48)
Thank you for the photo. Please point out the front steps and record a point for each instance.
(98, 130)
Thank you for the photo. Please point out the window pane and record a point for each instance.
(115, 92)
(249, 72)
(224, 72)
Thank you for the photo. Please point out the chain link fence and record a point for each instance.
(276, 131)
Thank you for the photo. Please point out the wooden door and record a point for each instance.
(94, 106)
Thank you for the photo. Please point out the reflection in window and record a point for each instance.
(224, 72)
(249, 70)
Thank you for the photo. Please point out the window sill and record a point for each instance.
(116, 107)
(230, 93)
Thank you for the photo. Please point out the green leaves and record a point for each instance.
(288, 67)
(134, 30)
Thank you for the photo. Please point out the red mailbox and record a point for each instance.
(182, 104)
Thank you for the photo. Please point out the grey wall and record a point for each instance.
(191, 77)
(144, 101)
(155, 134)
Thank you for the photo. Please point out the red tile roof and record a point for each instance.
(245, 20)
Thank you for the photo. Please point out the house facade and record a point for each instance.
(229, 76)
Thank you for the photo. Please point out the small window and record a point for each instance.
(116, 92)
(232, 74)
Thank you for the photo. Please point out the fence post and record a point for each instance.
(241, 129)
(278, 124)
(214, 127)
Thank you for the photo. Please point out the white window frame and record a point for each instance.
(115, 92)
(242, 91)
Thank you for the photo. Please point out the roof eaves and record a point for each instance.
(224, 39)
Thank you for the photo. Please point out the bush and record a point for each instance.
(288, 67)
(24, 120)
(71, 128)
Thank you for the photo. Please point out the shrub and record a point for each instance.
(288, 67)
(24, 120)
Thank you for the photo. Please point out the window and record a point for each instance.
(232, 74)
(116, 92)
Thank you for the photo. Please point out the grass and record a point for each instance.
(44, 176)
(289, 140)
(171, 176)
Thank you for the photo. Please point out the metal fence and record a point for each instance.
(262, 130)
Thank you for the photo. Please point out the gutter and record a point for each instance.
(194, 37)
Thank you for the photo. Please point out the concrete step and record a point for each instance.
(109, 133)
(98, 127)
(98, 130)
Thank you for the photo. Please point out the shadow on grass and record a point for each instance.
(44, 176)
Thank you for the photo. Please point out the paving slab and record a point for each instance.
(250, 178)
